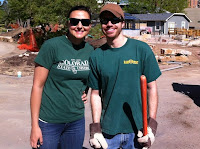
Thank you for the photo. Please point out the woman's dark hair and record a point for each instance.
(81, 7)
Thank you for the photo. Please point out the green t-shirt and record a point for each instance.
(116, 72)
(67, 79)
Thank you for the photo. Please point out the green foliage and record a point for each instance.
(2, 29)
(156, 6)
(136, 6)
(45, 11)
(96, 31)
(175, 6)
(3, 12)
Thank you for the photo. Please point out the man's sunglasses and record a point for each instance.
(84, 22)
(112, 20)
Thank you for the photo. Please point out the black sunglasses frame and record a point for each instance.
(112, 20)
(75, 21)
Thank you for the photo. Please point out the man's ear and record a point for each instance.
(123, 24)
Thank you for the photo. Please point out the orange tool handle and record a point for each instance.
(143, 84)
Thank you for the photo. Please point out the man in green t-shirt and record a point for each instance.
(115, 73)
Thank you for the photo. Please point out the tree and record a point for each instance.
(4, 15)
(156, 6)
(175, 6)
(45, 11)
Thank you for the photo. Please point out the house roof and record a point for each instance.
(158, 16)
(128, 16)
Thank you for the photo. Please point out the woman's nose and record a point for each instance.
(79, 25)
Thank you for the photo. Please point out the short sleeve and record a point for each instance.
(46, 55)
(93, 78)
(151, 69)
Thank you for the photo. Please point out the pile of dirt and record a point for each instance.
(23, 62)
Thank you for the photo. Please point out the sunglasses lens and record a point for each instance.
(112, 20)
(84, 22)
(104, 21)
(115, 20)
(74, 21)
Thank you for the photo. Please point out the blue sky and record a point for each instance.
(1, 0)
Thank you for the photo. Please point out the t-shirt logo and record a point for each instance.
(130, 61)
(74, 65)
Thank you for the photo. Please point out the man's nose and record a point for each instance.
(109, 23)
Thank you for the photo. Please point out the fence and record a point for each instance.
(181, 31)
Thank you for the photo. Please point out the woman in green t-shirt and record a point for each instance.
(57, 97)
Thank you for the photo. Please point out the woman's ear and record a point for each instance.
(67, 23)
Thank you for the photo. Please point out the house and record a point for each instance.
(159, 23)
(193, 14)
(131, 22)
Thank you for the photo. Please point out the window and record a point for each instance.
(183, 24)
(157, 26)
(171, 25)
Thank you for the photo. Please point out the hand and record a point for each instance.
(97, 139)
(147, 141)
(36, 135)
(84, 97)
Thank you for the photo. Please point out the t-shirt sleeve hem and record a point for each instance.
(93, 87)
(154, 78)
(42, 64)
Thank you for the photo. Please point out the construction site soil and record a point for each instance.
(178, 113)
(23, 60)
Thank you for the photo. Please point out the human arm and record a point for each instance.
(84, 96)
(147, 141)
(96, 138)
(40, 76)
(96, 106)
(153, 99)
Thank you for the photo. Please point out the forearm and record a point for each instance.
(40, 76)
(96, 106)
(152, 99)
(36, 96)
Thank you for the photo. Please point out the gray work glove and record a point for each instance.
(147, 141)
(97, 139)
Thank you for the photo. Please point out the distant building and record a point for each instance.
(194, 3)
(157, 23)
(102, 1)
(194, 15)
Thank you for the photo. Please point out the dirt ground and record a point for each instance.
(178, 114)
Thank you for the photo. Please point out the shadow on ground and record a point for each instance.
(193, 91)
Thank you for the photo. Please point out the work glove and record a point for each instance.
(97, 139)
(147, 141)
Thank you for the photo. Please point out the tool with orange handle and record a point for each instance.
(143, 85)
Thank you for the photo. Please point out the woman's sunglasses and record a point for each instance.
(112, 20)
(84, 22)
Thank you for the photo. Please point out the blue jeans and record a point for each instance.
(63, 136)
(122, 141)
